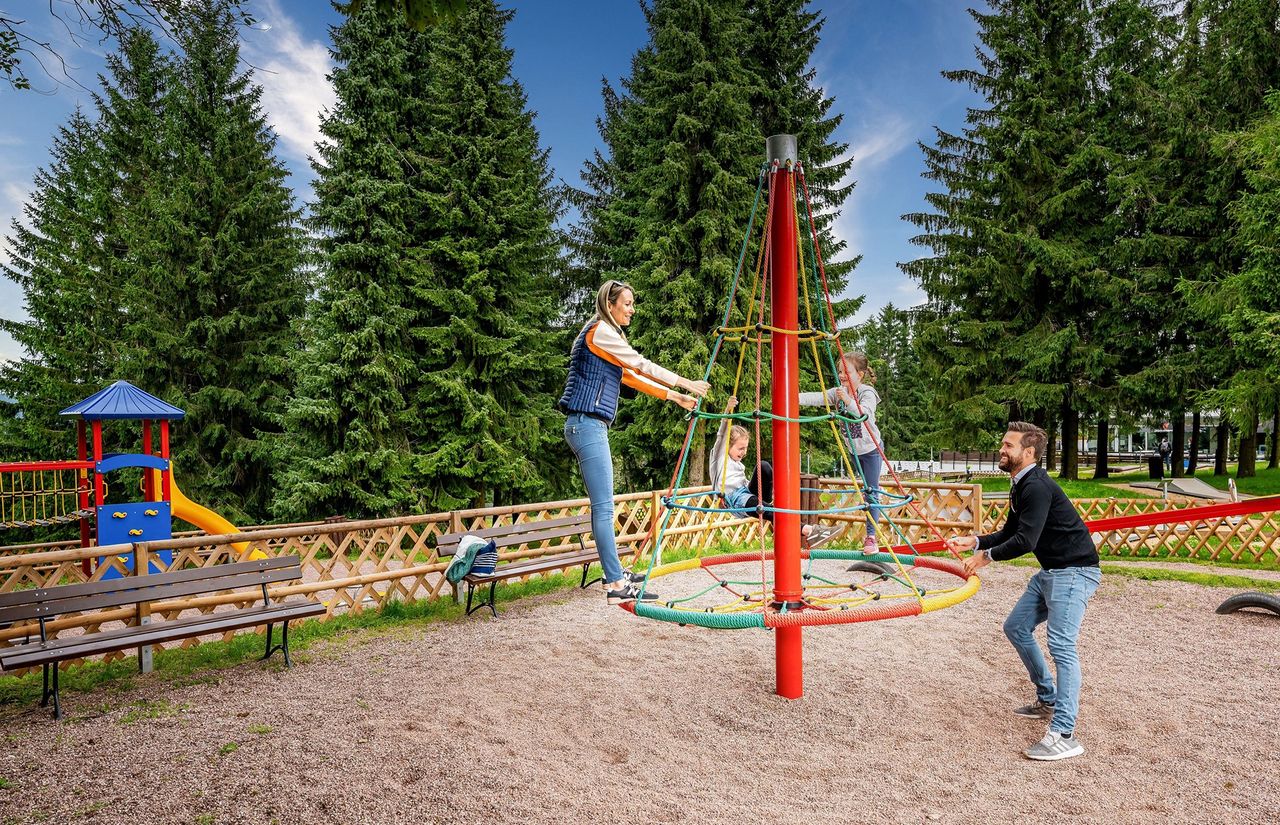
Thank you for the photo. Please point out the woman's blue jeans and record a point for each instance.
(870, 466)
(1059, 598)
(589, 439)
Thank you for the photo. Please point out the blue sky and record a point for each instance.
(879, 59)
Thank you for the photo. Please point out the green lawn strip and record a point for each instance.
(1151, 573)
(195, 663)
(1265, 483)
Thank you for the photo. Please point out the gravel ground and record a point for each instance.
(564, 710)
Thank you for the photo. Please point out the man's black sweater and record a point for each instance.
(1043, 521)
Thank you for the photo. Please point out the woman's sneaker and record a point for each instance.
(1055, 746)
(629, 593)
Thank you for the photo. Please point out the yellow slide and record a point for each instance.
(202, 517)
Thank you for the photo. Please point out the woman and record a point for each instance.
(600, 362)
(856, 379)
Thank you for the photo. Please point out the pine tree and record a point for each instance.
(217, 253)
(485, 426)
(1016, 280)
(57, 261)
(430, 374)
(1250, 297)
(667, 201)
(1229, 58)
(347, 425)
(72, 262)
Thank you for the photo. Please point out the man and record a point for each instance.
(1042, 521)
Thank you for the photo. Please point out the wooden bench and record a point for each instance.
(571, 550)
(43, 604)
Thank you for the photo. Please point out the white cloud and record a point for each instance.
(876, 147)
(292, 71)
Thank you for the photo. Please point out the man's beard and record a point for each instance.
(1006, 464)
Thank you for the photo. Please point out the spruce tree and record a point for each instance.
(485, 427)
(666, 202)
(430, 375)
(73, 262)
(1015, 279)
(346, 443)
(57, 261)
(217, 261)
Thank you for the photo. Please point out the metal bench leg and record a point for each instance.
(285, 632)
(489, 603)
(44, 696)
(270, 631)
(57, 706)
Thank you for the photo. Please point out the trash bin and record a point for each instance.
(1155, 466)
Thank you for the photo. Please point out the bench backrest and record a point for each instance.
(45, 602)
(512, 534)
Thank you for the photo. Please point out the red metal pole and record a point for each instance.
(148, 477)
(82, 491)
(164, 453)
(97, 456)
(788, 589)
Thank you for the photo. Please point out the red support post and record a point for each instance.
(97, 456)
(148, 477)
(82, 493)
(164, 453)
(788, 590)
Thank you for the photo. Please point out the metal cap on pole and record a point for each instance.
(781, 148)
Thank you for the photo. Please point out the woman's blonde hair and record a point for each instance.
(857, 359)
(610, 292)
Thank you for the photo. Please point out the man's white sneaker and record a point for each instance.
(1055, 746)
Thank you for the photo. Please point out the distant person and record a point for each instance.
(600, 362)
(859, 397)
(1166, 453)
(1042, 521)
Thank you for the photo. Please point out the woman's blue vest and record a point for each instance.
(593, 383)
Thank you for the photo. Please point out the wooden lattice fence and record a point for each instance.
(351, 566)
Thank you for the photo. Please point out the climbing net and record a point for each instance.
(43, 493)
(840, 585)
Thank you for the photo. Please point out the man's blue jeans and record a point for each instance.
(589, 439)
(1059, 598)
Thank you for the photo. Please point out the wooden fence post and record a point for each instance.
(142, 567)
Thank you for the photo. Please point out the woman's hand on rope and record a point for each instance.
(686, 401)
(698, 388)
(731, 404)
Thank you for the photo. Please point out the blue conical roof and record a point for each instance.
(122, 400)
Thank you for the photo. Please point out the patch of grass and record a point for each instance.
(92, 809)
(229, 747)
(143, 709)
(1205, 579)
(261, 730)
(204, 819)
(5, 784)
(1159, 573)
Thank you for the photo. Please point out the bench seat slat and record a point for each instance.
(69, 591)
(525, 567)
(447, 543)
(74, 647)
(151, 588)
